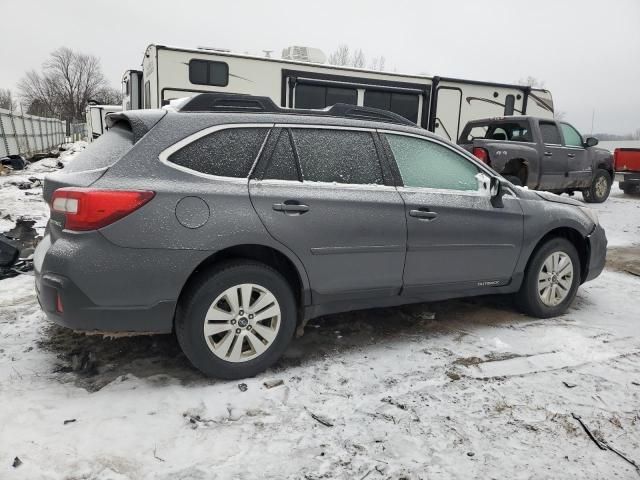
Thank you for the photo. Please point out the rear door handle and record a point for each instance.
(290, 206)
(423, 214)
(571, 155)
(548, 154)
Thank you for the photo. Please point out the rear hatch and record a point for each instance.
(85, 168)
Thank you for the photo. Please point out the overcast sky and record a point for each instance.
(586, 52)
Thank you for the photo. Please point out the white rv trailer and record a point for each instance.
(442, 105)
(95, 117)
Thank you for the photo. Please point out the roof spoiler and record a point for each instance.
(138, 121)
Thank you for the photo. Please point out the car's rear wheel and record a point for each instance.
(600, 187)
(551, 279)
(237, 321)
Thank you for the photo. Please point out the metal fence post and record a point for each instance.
(15, 131)
(26, 133)
(4, 136)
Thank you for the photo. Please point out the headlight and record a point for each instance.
(591, 213)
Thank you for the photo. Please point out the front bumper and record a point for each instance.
(597, 253)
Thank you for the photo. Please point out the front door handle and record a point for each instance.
(423, 214)
(290, 206)
(571, 155)
(548, 154)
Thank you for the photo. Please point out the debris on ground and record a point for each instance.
(66, 422)
(320, 419)
(16, 462)
(16, 162)
(242, 387)
(569, 385)
(273, 383)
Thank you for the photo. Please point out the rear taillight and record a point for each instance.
(482, 154)
(90, 209)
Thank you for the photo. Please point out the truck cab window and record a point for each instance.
(550, 133)
(571, 136)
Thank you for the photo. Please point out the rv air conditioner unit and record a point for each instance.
(304, 54)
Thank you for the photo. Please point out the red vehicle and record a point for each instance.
(626, 162)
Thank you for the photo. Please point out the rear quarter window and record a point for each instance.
(104, 151)
(225, 153)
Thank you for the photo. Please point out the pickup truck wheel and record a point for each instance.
(238, 321)
(513, 179)
(551, 279)
(600, 187)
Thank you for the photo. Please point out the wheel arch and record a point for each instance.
(577, 239)
(290, 269)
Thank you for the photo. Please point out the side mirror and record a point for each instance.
(591, 142)
(495, 187)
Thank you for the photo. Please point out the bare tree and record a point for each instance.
(377, 63)
(359, 60)
(108, 96)
(341, 56)
(67, 82)
(6, 100)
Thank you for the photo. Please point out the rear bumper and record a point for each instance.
(597, 253)
(628, 178)
(80, 313)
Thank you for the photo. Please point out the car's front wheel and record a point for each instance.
(237, 321)
(551, 279)
(600, 187)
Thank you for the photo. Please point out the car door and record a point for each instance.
(579, 168)
(456, 238)
(553, 159)
(322, 192)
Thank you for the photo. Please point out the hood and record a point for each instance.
(552, 197)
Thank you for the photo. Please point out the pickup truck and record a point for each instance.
(541, 154)
(627, 165)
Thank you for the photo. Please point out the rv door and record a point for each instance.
(448, 108)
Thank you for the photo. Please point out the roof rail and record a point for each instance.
(236, 102)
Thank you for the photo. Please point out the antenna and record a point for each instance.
(267, 53)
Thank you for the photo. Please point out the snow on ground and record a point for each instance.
(478, 391)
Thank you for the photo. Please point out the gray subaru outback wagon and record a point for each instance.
(229, 220)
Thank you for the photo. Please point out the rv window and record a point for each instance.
(206, 72)
(318, 96)
(404, 104)
(337, 156)
(550, 133)
(282, 165)
(226, 153)
(509, 105)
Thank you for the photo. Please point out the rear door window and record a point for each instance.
(426, 164)
(550, 133)
(226, 153)
(337, 156)
(282, 164)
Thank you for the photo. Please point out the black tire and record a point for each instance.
(528, 298)
(513, 179)
(204, 290)
(596, 194)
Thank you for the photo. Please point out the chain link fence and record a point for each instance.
(28, 135)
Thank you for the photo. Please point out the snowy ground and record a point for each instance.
(479, 391)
